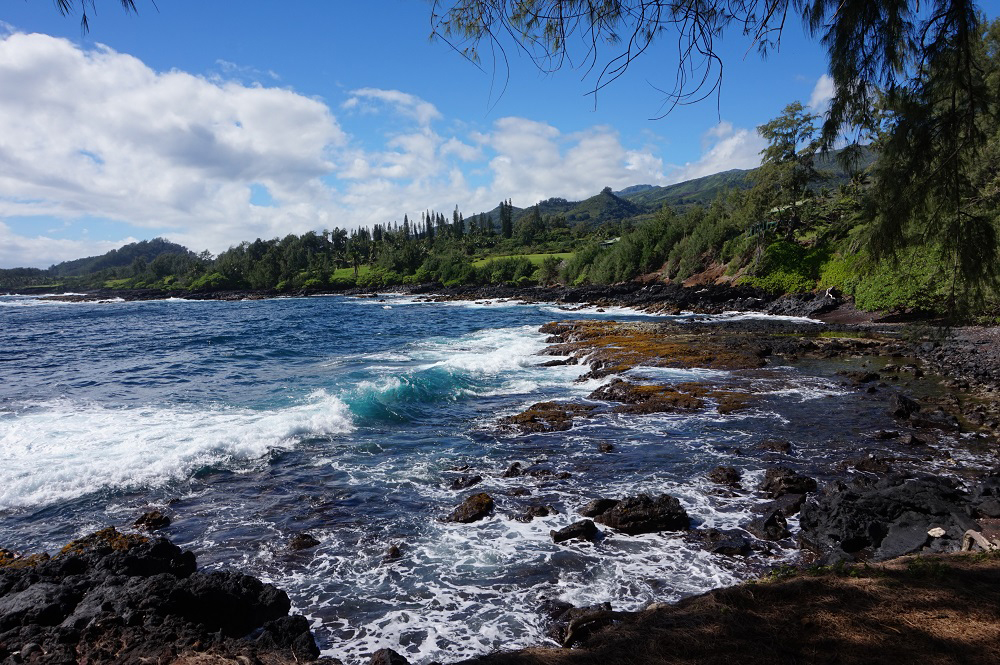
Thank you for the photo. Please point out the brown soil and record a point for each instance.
(930, 610)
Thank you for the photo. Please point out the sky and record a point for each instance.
(213, 123)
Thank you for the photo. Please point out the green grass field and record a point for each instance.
(348, 273)
(534, 258)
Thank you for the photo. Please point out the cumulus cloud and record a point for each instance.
(42, 251)
(822, 93)
(724, 148)
(423, 111)
(534, 161)
(97, 132)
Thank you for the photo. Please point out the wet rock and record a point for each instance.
(465, 482)
(544, 471)
(513, 471)
(547, 417)
(872, 463)
(598, 506)
(154, 520)
(886, 435)
(474, 508)
(570, 624)
(786, 504)
(725, 475)
(726, 542)
(855, 520)
(387, 657)
(582, 530)
(605, 447)
(517, 491)
(531, 512)
(775, 446)
(644, 514)
(393, 553)
(902, 407)
(937, 419)
(782, 480)
(640, 398)
(860, 378)
(302, 541)
(771, 526)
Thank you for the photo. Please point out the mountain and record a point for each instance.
(146, 250)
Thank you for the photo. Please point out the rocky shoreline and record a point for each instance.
(124, 598)
(115, 597)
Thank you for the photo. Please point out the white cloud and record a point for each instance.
(99, 133)
(534, 161)
(822, 93)
(42, 251)
(725, 148)
(423, 111)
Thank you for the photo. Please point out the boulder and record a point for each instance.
(112, 597)
(387, 657)
(154, 520)
(302, 541)
(598, 506)
(902, 407)
(582, 530)
(771, 526)
(727, 542)
(725, 475)
(644, 514)
(857, 520)
(475, 507)
(465, 482)
(782, 480)
(786, 504)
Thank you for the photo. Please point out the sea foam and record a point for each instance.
(61, 450)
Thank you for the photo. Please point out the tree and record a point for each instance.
(506, 219)
(788, 162)
(936, 179)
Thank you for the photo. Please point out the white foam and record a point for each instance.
(61, 450)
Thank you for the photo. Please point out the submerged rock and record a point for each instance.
(475, 507)
(644, 514)
(302, 541)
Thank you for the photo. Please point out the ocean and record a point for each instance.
(348, 419)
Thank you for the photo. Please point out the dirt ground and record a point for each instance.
(926, 610)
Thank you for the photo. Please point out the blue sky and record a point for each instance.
(210, 123)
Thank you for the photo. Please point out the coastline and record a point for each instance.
(962, 355)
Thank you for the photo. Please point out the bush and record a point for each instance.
(210, 282)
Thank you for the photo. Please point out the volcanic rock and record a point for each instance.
(582, 530)
(644, 514)
(782, 480)
(474, 508)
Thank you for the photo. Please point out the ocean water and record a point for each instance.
(249, 422)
